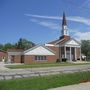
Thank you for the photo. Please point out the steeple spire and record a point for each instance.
(64, 26)
(64, 22)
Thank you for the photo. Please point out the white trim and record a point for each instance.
(67, 46)
(39, 50)
(80, 53)
(59, 41)
(72, 45)
(70, 54)
(75, 53)
(65, 51)
(65, 30)
(49, 45)
(9, 58)
(72, 42)
(40, 58)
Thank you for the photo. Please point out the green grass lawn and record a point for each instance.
(45, 82)
(43, 65)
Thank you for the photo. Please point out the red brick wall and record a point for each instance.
(28, 59)
(66, 37)
(78, 52)
(17, 59)
(56, 50)
(52, 58)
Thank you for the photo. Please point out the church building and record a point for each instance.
(68, 47)
(63, 48)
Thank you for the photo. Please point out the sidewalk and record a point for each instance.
(81, 86)
(6, 73)
(2, 67)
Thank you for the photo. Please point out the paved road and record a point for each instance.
(21, 73)
(81, 86)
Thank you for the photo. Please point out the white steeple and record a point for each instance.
(64, 31)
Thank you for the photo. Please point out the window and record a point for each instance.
(44, 57)
(40, 58)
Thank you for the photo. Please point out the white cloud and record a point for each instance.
(76, 33)
(83, 20)
(44, 17)
(50, 25)
(82, 35)
(78, 19)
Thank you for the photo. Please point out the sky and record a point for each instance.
(40, 21)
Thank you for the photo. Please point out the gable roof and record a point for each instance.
(53, 42)
(66, 40)
(39, 50)
(62, 40)
(72, 42)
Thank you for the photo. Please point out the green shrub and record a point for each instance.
(64, 59)
(58, 60)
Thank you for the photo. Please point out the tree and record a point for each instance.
(85, 47)
(20, 44)
(1, 46)
(24, 44)
(8, 46)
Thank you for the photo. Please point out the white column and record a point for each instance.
(9, 60)
(70, 55)
(60, 53)
(80, 53)
(65, 51)
(75, 53)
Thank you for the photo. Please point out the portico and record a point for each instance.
(71, 50)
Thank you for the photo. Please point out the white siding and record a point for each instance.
(39, 51)
(72, 42)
